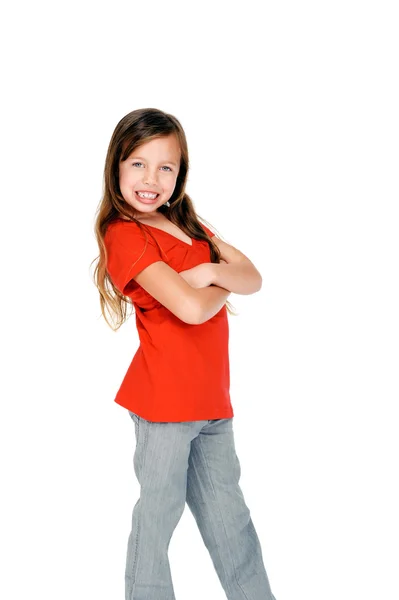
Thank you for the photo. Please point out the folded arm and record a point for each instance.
(238, 274)
(196, 304)
(191, 305)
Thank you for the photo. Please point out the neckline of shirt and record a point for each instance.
(163, 231)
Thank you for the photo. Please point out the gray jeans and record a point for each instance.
(193, 462)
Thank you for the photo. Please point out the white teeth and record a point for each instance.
(146, 195)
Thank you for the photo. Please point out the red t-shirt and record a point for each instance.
(180, 372)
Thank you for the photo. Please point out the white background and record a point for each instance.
(291, 115)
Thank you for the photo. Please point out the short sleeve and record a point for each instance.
(208, 231)
(129, 252)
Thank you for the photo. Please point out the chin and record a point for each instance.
(141, 207)
(147, 209)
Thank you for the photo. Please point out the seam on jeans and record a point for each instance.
(221, 517)
(213, 532)
(134, 568)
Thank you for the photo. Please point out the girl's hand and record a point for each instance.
(200, 276)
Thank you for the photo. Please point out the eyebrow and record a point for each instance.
(168, 162)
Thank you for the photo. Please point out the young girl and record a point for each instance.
(157, 256)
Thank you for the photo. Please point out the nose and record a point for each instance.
(150, 176)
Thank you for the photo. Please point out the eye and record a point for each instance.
(140, 163)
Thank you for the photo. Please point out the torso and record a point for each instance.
(180, 372)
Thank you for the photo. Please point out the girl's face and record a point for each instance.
(151, 167)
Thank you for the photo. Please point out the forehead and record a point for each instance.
(159, 148)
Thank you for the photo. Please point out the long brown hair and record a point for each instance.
(134, 129)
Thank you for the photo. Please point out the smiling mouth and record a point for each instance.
(146, 199)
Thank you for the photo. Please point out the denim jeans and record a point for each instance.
(193, 462)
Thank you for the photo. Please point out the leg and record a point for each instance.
(160, 464)
(217, 503)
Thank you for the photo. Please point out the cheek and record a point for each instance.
(170, 184)
(126, 180)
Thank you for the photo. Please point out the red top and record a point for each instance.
(180, 372)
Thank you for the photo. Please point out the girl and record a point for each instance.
(156, 255)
